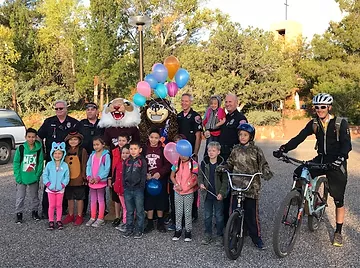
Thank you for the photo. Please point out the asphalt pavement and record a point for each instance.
(31, 245)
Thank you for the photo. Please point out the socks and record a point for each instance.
(338, 228)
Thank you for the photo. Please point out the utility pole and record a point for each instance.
(286, 8)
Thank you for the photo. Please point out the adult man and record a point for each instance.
(333, 147)
(190, 126)
(55, 129)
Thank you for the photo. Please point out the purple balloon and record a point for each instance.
(160, 73)
(172, 89)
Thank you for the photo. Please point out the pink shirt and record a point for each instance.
(94, 172)
(185, 178)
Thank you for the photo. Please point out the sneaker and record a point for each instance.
(35, 215)
(90, 222)
(187, 236)
(98, 223)
(79, 220)
(138, 235)
(206, 240)
(68, 219)
(260, 245)
(219, 241)
(171, 227)
(167, 220)
(161, 228)
(128, 234)
(121, 227)
(149, 227)
(60, 225)
(116, 222)
(19, 218)
(51, 225)
(44, 216)
(338, 241)
(177, 235)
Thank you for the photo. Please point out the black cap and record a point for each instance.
(91, 105)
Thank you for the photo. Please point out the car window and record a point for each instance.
(10, 119)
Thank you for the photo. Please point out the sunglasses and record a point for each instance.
(322, 107)
(60, 108)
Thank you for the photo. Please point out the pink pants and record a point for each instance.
(55, 202)
(97, 196)
(122, 201)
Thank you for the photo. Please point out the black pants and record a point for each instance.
(195, 213)
(172, 202)
(225, 153)
(86, 200)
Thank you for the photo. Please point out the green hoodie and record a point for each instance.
(30, 169)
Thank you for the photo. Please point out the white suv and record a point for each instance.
(12, 133)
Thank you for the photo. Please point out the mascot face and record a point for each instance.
(156, 112)
(119, 113)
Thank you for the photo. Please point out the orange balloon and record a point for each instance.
(172, 64)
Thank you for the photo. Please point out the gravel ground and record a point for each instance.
(31, 245)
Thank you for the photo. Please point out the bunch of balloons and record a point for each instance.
(173, 151)
(156, 81)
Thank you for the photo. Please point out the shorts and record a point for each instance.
(114, 196)
(75, 192)
(158, 202)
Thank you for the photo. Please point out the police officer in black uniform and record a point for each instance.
(190, 125)
(55, 129)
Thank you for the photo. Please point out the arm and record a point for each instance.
(172, 176)
(143, 172)
(42, 130)
(197, 142)
(40, 165)
(345, 139)
(166, 167)
(66, 177)
(294, 142)
(17, 166)
(106, 171)
(221, 117)
(46, 175)
(264, 166)
(201, 176)
(88, 168)
(84, 159)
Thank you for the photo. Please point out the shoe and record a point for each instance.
(60, 225)
(187, 236)
(177, 235)
(116, 222)
(167, 220)
(338, 241)
(79, 220)
(68, 219)
(260, 245)
(90, 222)
(138, 235)
(19, 218)
(51, 225)
(121, 227)
(35, 215)
(149, 227)
(98, 223)
(171, 227)
(161, 228)
(128, 234)
(219, 241)
(206, 240)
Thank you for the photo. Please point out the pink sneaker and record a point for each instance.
(68, 219)
(79, 220)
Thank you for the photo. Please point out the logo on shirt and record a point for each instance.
(198, 119)
(151, 158)
(189, 116)
(68, 125)
(29, 162)
(231, 122)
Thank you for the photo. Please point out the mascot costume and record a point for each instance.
(119, 117)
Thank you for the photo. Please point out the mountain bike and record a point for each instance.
(307, 196)
(234, 231)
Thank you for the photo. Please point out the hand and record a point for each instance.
(194, 157)
(336, 165)
(221, 169)
(202, 187)
(148, 176)
(207, 134)
(277, 153)
(219, 197)
(92, 180)
(109, 183)
(156, 175)
(177, 187)
(63, 185)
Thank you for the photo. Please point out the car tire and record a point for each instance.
(5, 152)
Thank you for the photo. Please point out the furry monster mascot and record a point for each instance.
(158, 113)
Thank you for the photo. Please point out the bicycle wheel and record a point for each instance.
(234, 236)
(287, 224)
(321, 187)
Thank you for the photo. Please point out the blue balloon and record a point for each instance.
(160, 73)
(161, 91)
(182, 77)
(139, 100)
(184, 148)
(150, 78)
(154, 187)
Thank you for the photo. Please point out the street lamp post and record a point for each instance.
(140, 22)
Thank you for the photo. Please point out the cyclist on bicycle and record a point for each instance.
(333, 146)
(247, 158)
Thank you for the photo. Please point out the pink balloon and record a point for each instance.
(152, 68)
(144, 89)
(170, 153)
(172, 89)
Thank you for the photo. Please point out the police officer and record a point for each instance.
(55, 129)
(190, 125)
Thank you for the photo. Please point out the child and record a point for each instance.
(214, 118)
(97, 171)
(157, 168)
(134, 177)
(28, 167)
(215, 186)
(116, 158)
(76, 158)
(184, 177)
(247, 158)
(56, 177)
(117, 184)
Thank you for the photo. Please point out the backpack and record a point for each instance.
(338, 121)
(21, 151)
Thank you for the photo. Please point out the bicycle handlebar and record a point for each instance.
(243, 175)
(287, 159)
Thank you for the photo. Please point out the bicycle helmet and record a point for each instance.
(322, 98)
(249, 129)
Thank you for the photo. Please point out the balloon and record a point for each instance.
(182, 77)
(170, 153)
(161, 91)
(172, 89)
(150, 78)
(144, 89)
(160, 73)
(184, 148)
(139, 100)
(154, 187)
(172, 64)
(152, 68)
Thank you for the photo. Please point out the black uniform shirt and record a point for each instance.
(189, 125)
(89, 131)
(229, 132)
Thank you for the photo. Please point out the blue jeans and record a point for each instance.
(134, 200)
(211, 205)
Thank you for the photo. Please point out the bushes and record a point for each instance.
(263, 118)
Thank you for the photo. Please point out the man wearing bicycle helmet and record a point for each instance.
(333, 147)
(247, 158)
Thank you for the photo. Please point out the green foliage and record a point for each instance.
(263, 118)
